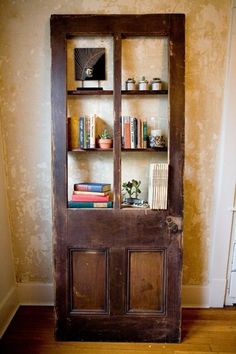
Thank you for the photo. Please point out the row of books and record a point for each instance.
(158, 185)
(82, 132)
(133, 133)
(91, 195)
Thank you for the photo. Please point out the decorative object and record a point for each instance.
(89, 64)
(157, 141)
(105, 140)
(130, 84)
(156, 84)
(132, 188)
(143, 84)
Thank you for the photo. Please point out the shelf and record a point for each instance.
(110, 92)
(125, 150)
(146, 150)
(89, 92)
(89, 150)
(143, 93)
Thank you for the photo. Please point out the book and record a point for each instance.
(158, 186)
(127, 142)
(81, 132)
(92, 187)
(91, 193)
(92, 131)
(145, 134)
(90, 198)
(73, 132)
(72, 204)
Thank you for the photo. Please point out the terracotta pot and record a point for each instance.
(105, 143)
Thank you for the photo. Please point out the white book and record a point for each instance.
(158, 186)
(92, 128)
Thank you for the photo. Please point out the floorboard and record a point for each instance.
(204, 331)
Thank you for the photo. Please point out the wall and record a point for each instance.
(25, 114)
(8, 294)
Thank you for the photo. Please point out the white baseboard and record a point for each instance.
(217, 292)
(8, 308)
(41, 294)
(195, 296)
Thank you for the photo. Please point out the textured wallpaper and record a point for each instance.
(26, 115)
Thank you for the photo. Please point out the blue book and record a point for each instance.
(92, 187)
(81, 132)
(72, 204)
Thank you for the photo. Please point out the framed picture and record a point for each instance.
(89, 64)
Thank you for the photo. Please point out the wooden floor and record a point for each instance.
(204, 331)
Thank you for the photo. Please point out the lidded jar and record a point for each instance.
(156, 84)
(143, 84)
(130, 84)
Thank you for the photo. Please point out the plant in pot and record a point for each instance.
(105, 140)
(132, 189)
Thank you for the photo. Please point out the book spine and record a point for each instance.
(87, 132)
(90, 193)
(90, 198)
(127, 132)
(139, 133)
(132, 133)
(145, 134)
(122, 122)
(92, 131)
(72, 204)
(89, 188)
(81, 132)
(73, 132)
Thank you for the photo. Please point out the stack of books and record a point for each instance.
(133, 132)
(158, 186)
(91, 195)
(82, 132)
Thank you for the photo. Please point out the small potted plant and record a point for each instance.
(105, 140)
(133, 190)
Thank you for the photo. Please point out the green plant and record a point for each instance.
(132, 188)
(105, 134)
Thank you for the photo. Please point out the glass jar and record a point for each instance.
(156, 84)
(130, 84)
(143, 84)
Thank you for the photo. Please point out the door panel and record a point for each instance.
(145, 281)
(89, 285)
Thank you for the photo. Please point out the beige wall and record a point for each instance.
(8, 297)
(25, 117)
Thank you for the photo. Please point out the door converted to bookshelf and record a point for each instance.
(118, 157)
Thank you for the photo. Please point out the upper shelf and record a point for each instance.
(110, 92)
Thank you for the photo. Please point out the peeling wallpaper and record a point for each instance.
(26, 114)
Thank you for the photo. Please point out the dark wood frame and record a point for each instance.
(164, 227)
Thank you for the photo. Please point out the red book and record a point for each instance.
(90, 198)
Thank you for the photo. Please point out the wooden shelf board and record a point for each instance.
(146, 150)
(110, 92)
(89, 150)
(89, 92)
(146, 92)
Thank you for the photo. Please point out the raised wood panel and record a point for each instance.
(146, 281)
(89, 280)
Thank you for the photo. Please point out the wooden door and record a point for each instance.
(118, 272)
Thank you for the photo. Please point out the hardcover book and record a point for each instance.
(72, 204)
(92, 187)
(90, 198)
